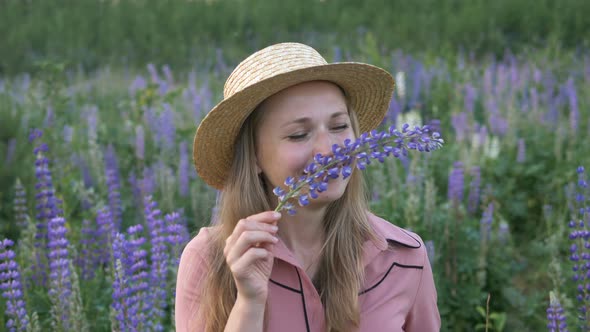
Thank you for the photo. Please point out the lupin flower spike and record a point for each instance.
(374, 145)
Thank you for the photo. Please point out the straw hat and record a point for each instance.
(268, 71)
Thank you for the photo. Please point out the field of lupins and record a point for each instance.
(99, 195)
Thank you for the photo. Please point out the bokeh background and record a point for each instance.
(99, 101)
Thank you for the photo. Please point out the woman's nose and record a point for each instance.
(324, 142)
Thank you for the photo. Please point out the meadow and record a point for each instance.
(98, 194)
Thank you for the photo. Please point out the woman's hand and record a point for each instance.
(248, 253)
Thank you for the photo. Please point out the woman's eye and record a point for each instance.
(341, 127)
(297, 137)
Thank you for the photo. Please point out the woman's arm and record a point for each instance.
(246, 316)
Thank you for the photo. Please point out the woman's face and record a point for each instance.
(298, 123)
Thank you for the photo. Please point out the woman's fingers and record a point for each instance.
(247, 240)
(247, 260)
(265, 221)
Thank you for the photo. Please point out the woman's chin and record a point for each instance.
(334, 192)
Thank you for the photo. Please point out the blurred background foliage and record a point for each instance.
(504, 81)
(180, 33)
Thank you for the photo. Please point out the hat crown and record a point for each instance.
(271, 61)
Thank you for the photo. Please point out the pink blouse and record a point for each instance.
(398, 295)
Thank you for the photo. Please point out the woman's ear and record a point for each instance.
(258, 169)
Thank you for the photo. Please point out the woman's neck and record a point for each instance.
(303, 233)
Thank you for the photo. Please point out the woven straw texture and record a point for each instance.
(268, 71)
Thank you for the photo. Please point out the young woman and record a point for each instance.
(333, 266)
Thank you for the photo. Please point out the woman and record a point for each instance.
(333, 266)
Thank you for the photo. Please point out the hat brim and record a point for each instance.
(368, 89)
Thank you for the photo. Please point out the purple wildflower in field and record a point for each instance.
(130, 282)
(474, 190)
(60, 274)
(166, 128)
(20, 205)
(573, 104)
(87, 259)
(153, 73)
(168, 74)
(337, 54)
(105, 233)
(486, 222)
(521, 154)
(47, 205)
(461, 125)
(498, 124)
(469, 98)
(138, 83)
(12, 289)
(113, 185)
(159, 263)
(183, 170)
(49, 117)
(456, 183)
(177, 235)
(534, 95)
(359, 153)
(221, 66)
(579, 235)
(416, 78)
(68, 133)
(394, 110)
(555, 315)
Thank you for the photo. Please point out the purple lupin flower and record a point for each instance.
(68, 133)
(368, 147)
(498, 124)
(168, 74)
(417, 81)
(130, 281)
(167, 129)
(153, 73)
(456, 183)
(521, 154)
(60, 274)
(474, 190)
(12, 289)
(461, 125)
(113, 185)
(88, 253)
(48, 206)
(469, 99)
(20, 205)
(534, 99)
(579, 255)
(138, 83)
(183, 170)
(486, 222)
(555, 316)
(177, 237)
(159, 267)
(105, 233)
(573, 104)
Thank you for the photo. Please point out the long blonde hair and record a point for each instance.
(340, 274)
